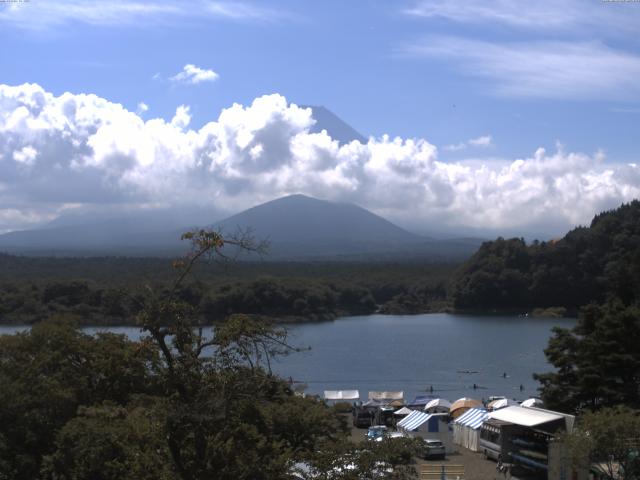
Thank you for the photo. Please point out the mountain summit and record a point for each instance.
(337, 128)
(313, 222)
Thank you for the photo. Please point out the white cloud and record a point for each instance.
(26, 155)
(122, 13)
(482, 141)
(85, 150)
(142, 108)
(192, 75)
(559, 70)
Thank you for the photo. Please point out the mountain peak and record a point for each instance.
(337, 128)
(303, 219)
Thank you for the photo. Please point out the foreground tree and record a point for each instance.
(608, 440)
(47, 373)
(597, 362)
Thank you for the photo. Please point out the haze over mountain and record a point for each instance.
(297, 227)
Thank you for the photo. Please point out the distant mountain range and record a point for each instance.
(297, 227)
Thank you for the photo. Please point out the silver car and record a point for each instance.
(433, 448)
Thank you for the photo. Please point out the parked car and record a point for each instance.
(377, 432)
(433, 448)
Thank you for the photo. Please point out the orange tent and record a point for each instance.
(462, 405)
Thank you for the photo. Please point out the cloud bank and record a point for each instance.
(61, 152)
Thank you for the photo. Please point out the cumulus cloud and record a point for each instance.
(482, 141)
(57, 152)
(142, 107)
(193, 75)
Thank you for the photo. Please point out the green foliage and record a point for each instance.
(610, 440)
(587, 265)
(110, 443)
(389, 459)
(50, 371)
(597, 362)
(105, 291)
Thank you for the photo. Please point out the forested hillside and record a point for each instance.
(590, 264)
(106, 291)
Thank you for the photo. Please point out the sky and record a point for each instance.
(482, 116)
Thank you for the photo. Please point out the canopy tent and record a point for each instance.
(462, 405)
(466, 428)
(532, 402)
(532, 417)
(403, 411)
(386, 396)
(428, 425)
(501, 403)
(420, 401)
(413, 420)
(341, 395)
(440, 405)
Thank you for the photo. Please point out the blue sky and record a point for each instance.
(484, 83)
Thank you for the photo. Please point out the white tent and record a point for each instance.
(501, 403)
(403, 411)
(466, 428)
(532, 417)
(532, 402)
(428, 425)
(438, 405)
(386, 396)
(341, 395)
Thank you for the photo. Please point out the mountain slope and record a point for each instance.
(300, 227)
(337, 128)
(298, 218)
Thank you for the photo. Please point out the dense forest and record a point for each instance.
(590, 264)
(107, 291)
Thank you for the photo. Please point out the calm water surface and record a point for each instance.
(415, 352)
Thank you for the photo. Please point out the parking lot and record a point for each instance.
(475, 465)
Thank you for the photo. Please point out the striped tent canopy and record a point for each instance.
(472, 418)
(413, 420)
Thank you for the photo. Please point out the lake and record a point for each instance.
(415, 352)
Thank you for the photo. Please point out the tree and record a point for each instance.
(610, 439)
(226, 415)
(597, 362)
(110, 442)
(50, 371)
